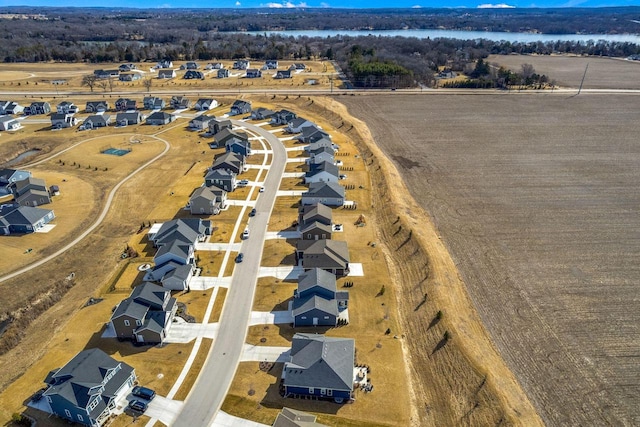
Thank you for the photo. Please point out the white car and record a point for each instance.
(261, 190)
(245, 234)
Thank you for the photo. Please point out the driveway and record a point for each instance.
(163, 409)
(270, 235)
(187, 332)
(202, 246)
(270, 317)
(202, 283)
(286, 272)
(225, 420)
(263, 353)
(292, 193)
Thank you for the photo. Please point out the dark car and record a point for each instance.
(137, 406)
(240, 257)
(253, 212)
(143, 392)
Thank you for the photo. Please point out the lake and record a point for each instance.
(459, 34)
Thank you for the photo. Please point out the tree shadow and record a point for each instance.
(440, 345)
(433, 322)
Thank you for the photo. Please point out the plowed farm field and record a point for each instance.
(537, 197)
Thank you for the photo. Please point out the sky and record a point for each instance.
(292, 4)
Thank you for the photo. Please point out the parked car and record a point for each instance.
(343, 176)
(253, 212)
(243, 182)
(143, 392)
(240, 257)
(137, 406)
(261, 190)
(245, 234)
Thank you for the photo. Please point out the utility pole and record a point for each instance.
(583, 76)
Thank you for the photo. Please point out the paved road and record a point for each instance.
(212, 385)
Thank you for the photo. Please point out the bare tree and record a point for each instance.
(89, 80)
(527, 71)
(102, 84)
(111, 82)
(148, 82)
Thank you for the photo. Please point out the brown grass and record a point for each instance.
(218, 305)
(192, 375)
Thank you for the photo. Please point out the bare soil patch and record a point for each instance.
(567, 71)
(536, 199)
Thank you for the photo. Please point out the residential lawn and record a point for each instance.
(294, 184)
(273, 294)
(193, 373)
(218, 305)
(196, 302)
(278, 252)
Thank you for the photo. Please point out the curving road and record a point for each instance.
(211, 387)
(93, 226)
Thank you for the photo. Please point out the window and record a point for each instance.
(323, 391)
(67, 413)
(303, 317)
(326, 317)
(310, 390)
(329, 392)
(127, 323)
(138, 323)
(80, 418)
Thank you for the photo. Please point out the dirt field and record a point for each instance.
(567, 71)
(537, 200)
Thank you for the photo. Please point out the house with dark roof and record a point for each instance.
(218, 125)
(166, 73)
(129, 77)
(88, 389)
(31, 192)
(321, 172)
(223, 179)
(241, 64)
(320, 143)
(298, 66)
(200, 122)
(178, 278)
(328, 193)
(282, 74)
(283, 117)
(296, 125)
(63, 120)
(16, 219)
(129, 118)
(9, 123)
(321, 367)
(230, 161)
(127, 67)
(106, 74)
(8, 177)
(271, 64)
(240, 107)
(165, 63)
(293, 418)
(261, 113)
(96, 121)
(179, 102)
(153, 103)
(316, 212)
(329, 255)
(315, 230)
(207, 201)
(311, 134)
(193, 75)
(125, 104)
(96, 106)
(214, 66)
(189, 230)
(159, 118)
(222, 73)
(10, 107)
(191, 65)
(145, 316)
(253, 73)
(317, 302)
(66, 107)
(204, 104)
(321, 154)
(36, 108)
(234, 141)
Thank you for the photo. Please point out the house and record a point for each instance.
(189, 230)
(191, 65)
(283, 74)
(446, 73)
(165, 63)
(234, 141)
(240, 107)
(97, 107)
(127, 67)
(296, 125)
(130, 118)
(89, 388)
(222, 73)
(298, 66)
(16, 219)
(166, 74)
(321, 172)
(9, 107)
(214, 66)
(145, 316)
(18, 188)
(204, 104)
(207, 201)
(193, 74)
(321, 143)
(223, 179)
(129, 77)
(63, 120)
(230, 161)
(218, 125)
(294, 418)
(160, 118)
(262, 114)
(253, 73)
(179, 102)
(200, 122)
(96, 121)
(241, 64)
(67, 107)
(283, 117)
(8, 177)
(31, 192)
(328, 193)
(271, 64)
(9, 123)
(317, 301)
(106, 74)
(153, 103)
(311, 134)
(321, 367)
(178, 278)
(327, 254)
(315, 230)
(321, 154)
(36, 108)
(125, 104)
(316, 212)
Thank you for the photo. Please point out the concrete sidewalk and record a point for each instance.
(270, 317)
(163, 409)
(187, 332)
(202, 283)
(299, 148)
(250, 203)
(262, 353)
(283, 272)
(223, 419)
(270, 235)
(202, 246)
(294, 193)
(293, 174)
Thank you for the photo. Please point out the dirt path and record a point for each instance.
(460, 381)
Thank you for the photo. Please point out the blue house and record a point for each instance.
(86, 390)
(321, 367)
(8, 177)
(317, 301)
(16, 219)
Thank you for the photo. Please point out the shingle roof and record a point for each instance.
(204, 192)
(314, 225)
(293, 418)
(31, 181)
(304, 305)
(324, 189)
(185, 229)
(317, 210)
(149, 294)
(316, 168)
(181, 273)
(321, 362)
(131, 308)
(317, 277)
(22, 215)
(325, 254)
(176, 247)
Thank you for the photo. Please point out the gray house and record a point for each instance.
(97, 106)
(262, 113)
(166, 73)
(37, 108)
(179, 102)
(62, 120)
(222, 73)
(321, 154)
(241, 64)
(271, 64)
(160, 118)
(178, 278)
(240, 107)
(31, 192)
(131, 118)
(207, 201)
(321, 172)
(230, 161)
(315, 231)
(88, 388)
(283, 117)
(328, 193)
(204, 104)
(296, 125)
(9, 123)
(223, 179)
(145, 316)
(200, 122)
(16, 219)
(218, 125)
(316, 212)
(321, 367)
(253, 73)
(234, 141)
(329, 255)
(66, 107)
(96, 121)
(311, 134)
(153, 103)
(125, 104)
(8, 177)
(283, 74)
(129, 77)
(320, 143)
(193, 75)
(10, 107)
(317, 301)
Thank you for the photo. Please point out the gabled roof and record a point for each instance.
(226, 134)
(324, 253)
(179, 249)
(204, 192)
(239, 103)
(220, 174)
(37, 183)
(6, 174)
(97, 118)
(203, 118)
(150, 294)
(131, 116)
(315, 225)
(316, 168)
(186, 229)
(298, 121)
(159, 115)
(130, 308)
(322, 149)
(21, 215)
(314, 302)
(319, 361)
(264, 112)
(293, 418)
(324, 189)
(317, 277)
(204, 101)
(308, 131)
(317, 210)
(228, 159)
(181, 273)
